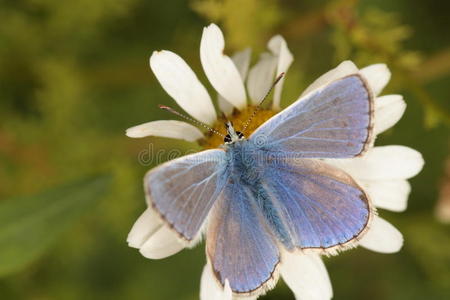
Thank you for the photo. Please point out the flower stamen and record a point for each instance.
(238, 118)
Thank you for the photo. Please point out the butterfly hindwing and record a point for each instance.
(240, 246)
(322, 207)
(331, 122)
(183, 190)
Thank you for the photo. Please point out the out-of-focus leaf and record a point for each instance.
(432, 117)
(429, 242)
(29, 225)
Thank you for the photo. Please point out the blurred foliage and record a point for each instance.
(74, 75)
(265, 14)
(28, 225)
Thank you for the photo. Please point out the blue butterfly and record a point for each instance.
(270, 191)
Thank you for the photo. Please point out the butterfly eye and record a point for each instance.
(227, 139)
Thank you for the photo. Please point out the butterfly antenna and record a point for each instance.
(258, 107)
(171, 110)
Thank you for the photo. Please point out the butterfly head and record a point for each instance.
(232, 135)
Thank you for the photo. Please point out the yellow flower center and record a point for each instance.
(238, 118)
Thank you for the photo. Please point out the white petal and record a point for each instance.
(388, 111)
(161, 244)
(382, 237)
(260, 77)
(245, 298)
(180, 82)
(306, 276)
(210, 289)
(377, 75)
(278, 46)
(225, 106)
(219, 68)
(146, 225)
(242, 61)
(387, 194)
(227, 294)
(154, 239)
(166, 128)
(345, 68)
(382, 163)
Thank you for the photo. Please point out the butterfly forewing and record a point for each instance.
(183, 190)
(332, 122)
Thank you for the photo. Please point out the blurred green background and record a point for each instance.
(74, 75)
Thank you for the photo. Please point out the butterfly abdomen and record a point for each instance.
(266, 205)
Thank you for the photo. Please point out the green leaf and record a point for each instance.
(29, 225)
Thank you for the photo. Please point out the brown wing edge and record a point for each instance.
(370, 139)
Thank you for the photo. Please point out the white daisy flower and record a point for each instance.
(382, 171)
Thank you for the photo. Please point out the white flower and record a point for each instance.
(382, 171)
